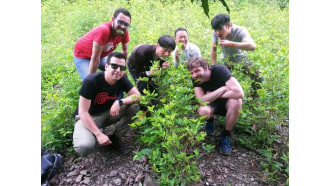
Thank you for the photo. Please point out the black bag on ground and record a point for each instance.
(50, 164)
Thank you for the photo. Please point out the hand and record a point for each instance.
(225, 43)
(103, 139)
(152, 72)
(114, 111)
(177, 55)
(166, 64)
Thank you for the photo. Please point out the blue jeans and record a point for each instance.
(82, 66)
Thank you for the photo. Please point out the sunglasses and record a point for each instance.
(123, 23)
(115, 66)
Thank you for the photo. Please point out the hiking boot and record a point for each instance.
(225, 147)
(209, 127)
(119, 145)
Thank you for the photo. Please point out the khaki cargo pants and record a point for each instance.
(84, 141)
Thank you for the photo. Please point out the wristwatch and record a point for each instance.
(120, 102)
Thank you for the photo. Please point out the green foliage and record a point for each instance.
(273, 165)
(283, 4)
(172, 130)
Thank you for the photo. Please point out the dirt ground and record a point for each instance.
(106, 167)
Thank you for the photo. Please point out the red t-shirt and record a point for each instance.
(102, 35)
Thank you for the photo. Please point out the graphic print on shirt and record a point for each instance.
(103, 97)
(109, 46)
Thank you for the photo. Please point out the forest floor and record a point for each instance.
(106, 167)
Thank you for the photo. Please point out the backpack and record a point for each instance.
(50, 164)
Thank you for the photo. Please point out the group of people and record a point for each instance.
(101, 101)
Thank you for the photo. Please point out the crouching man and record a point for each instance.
(99, 108)
(216, 85)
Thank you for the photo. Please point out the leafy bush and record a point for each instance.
(171, 131)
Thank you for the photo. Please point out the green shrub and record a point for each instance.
(171, 131)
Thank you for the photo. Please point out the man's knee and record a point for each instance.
(83, 147)
(133, 109)
(129, 111)
(83, 140)
(234, 104)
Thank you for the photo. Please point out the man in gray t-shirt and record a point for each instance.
(231, 38)
(232, 53)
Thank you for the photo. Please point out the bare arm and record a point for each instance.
(214, 53)
(134, 97)
(209, 96)
(95, 59)
(89, 123)
(124, 49)
(246, 44)
(232, 90)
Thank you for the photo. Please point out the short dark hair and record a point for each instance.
(219, 20)
(167, 41)
(197, 62)
(179, 29)
(115, 54)
(122, 10)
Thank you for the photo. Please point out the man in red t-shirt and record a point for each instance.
(91, 49)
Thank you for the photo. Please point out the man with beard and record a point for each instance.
(91, 50)
(220, 93)
(98, 107)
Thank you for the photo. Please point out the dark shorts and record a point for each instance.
(219, 106)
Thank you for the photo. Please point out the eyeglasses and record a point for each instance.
(123, 23)
(115, 66)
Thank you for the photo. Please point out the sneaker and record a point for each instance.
(119, 145)
(225, 147)
(209, 127)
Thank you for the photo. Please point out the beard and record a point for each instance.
(120, 31)
(117, 30)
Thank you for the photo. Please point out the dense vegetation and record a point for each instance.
(174, 124)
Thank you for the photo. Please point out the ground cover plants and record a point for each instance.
(174, 128)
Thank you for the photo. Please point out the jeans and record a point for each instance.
(82, 66)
